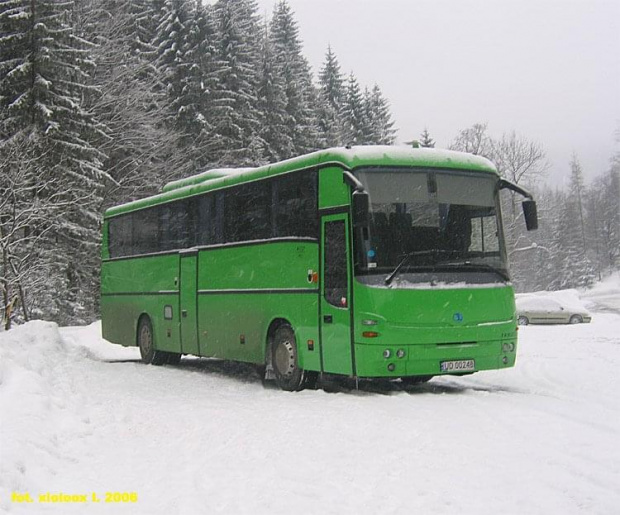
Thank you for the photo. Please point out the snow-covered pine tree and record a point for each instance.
(236, 119)
(378, 120)
(331, 81)
(577, 193)
(272, 102)
(574, 268)
(354, 113)
(331, 97)
(127, 97)
(604, 216)
(186, 63)
(426, 140)
(195, 105)
(43, 76)
(296, 78)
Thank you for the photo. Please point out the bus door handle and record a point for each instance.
(184, 313)
(328, 319)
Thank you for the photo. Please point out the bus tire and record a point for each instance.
(146, 342)
(284, 359)
(414, 380)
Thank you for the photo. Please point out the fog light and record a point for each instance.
(387, 353)
(391, 367)
(505, 360)
(400, 353)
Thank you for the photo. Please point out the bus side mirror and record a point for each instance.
(531, 215)
(361, 209)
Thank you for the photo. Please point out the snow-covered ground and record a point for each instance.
(81, 416)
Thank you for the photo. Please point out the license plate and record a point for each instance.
(463, 365)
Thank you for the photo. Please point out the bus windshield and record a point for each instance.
(430, 226)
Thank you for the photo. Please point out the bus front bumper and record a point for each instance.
(374, 360)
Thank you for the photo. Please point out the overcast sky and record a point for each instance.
(550, 70)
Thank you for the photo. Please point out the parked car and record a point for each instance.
(538, 309)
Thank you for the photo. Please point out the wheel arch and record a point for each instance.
(271, 331)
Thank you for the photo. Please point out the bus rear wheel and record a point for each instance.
(284, 359)
(146, 342)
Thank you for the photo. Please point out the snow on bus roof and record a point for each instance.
(348, 157)
(215, 173)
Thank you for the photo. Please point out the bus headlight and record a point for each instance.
(400, 353)
(387, 353)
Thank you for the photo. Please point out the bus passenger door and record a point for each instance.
(336, 343)
(188, 301)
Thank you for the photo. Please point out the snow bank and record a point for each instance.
(39, 404)
(606, 293)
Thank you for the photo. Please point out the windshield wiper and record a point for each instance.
(473, 266)
(408, 256)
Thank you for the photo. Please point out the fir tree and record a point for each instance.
(330, 101)
(379, 127)
(426, 140)
(272, 102)
(43, 77)
(354, 113)
(331, 81)
(296, 79)
(236, 119)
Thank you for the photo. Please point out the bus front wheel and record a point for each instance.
(289, 376)
(147, 346)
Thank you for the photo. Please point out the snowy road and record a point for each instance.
(81, 416)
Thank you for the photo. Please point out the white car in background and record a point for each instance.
(544, 309)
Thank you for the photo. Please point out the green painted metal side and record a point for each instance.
(243, 290)
(141, 286)
(238, 291)
(424, 323)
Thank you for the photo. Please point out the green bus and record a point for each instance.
(366, 262)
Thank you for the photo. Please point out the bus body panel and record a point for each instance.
(434, 325)
(333, 192)
(133, 287)
(235, 326)
(242, 289)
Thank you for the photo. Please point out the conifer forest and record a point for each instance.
(104, 101)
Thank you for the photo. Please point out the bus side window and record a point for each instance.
(119, 236)
(335, 277)
(205, 227)
(295, 205)
(145, 225)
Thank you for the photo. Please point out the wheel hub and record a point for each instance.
(285, 358)
(146, 341)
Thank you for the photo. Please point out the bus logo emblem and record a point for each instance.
(457, 317)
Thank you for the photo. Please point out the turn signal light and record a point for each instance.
(370, 334)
